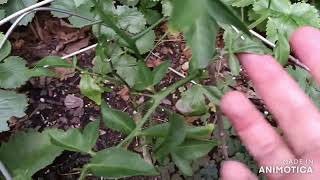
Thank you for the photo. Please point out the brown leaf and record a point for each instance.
(77, 45)
(124, 93)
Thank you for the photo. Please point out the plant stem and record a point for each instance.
(131, 42)
(156, 102)
(138, 36)
(258, 21)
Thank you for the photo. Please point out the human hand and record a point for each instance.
(296, 114)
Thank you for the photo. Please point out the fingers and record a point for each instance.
(295, 112)
(306, 46)
(232, 170)
(259, 137)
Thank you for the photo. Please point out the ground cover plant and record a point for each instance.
(145, 103)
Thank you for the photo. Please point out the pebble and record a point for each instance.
(42, 99)
(185, 66)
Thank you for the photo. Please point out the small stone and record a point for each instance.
(185, 66)
(42, 99)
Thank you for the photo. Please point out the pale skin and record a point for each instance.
(294, 111)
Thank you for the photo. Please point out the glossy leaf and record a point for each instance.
(29, 152)
(118, 163)
(116, 119)
(175, 136)
(53, 61)
(11, 104)
(74, 140)
(90, 88)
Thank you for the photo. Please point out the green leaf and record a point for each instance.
(53, 61)
(162, 130)
(194, 149)
(144, 77)
(41, 72)
(181, 18)
(238, 43)
(239, 3)
(129, 2)
(175, 136)
(13, 6)
(287, 17)
(146, 42)
(2, 13)
(11, 104)
(29, 152)
(192, 102)
(167, 7)
(13, 72)
(160, 71)
(6, 49)
(3, 1)
(101, 66)
(282, 49)
(152, 16)
(82, 7)
(118, 163)
(183, 164)
(117, 120)
(234, 64)
(201, 37)
(130, 19)
(90, 88)
(126, 68)
(213, 93)
(74, 140)
(222, 13)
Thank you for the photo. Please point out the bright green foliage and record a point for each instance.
(159, 72)
(53, 61)
(90, 88)
(282, 50)
(287, 17)
(129, 2)
(74, 140)
(184, 165)
(176, 135)
(192, 102)
(234, 64)
(118, 163)
(29, 152)
(116, 119)
(130, 19)
(6, 49)
(13, 72)
(126, 68)
(11, 104)
(194, 149)
(13, 6)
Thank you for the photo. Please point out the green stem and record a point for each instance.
(83, 173)
(138, 36)
(258, 21)
(131, 42)
(156, 102)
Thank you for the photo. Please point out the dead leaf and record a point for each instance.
(73, 47)
(124, 93)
